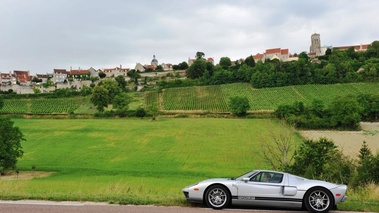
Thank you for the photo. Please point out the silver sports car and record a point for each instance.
(267, 188)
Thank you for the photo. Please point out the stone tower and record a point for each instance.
(315, 48)
(154, 62)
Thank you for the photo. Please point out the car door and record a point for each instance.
(262, 186)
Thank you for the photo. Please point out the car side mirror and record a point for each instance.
(246, 179)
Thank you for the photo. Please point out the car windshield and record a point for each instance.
(247, 175)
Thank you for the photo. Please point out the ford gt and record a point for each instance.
(267, 188)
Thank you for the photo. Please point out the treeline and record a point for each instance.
(336, 66)
(343, 113)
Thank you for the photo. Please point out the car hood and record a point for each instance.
(215, 180)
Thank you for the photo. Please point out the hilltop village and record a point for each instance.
(23, 82)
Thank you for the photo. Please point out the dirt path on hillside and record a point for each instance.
(350, 141)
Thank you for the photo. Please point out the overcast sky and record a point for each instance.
(40, 35)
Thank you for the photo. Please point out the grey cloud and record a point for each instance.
(40, 35)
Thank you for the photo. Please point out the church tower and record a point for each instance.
(154, 62)
(315, 48)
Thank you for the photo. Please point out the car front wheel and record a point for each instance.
(318, 200)
(217, 197)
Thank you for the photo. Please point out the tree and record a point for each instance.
(199, 55)
(317, 152)
(197, 69)
(250, 61)
(122, 101)
(364, 152)
(225, 62)
(36, 80)
(183, 65)
(100, 97)
(10, 144)
(243, 73)
(222, 76)
(345, 113)
(112, 87)
(239, 105)
(121, 82)
(102, 75)
(366, 164)
(279, 150)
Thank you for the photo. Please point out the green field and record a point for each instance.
(133, 161)
(137, 161)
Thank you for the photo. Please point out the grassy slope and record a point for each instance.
(213, 98)
(133, 161)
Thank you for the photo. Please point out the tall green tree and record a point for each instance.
(10, 144)
(197, 69)
(310, 158)
(250, 61)
(366, 165)
(122, 101)
(244, 73)
(345, 112)
(121, 82)
(112, 87)
(100, 97)
(225, 62)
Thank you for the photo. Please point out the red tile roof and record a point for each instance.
(273, 51)
(79, 72)
(284, 51)
(22, 76)
(42, 76)
(258, 56)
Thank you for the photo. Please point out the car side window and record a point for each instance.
(268, 177)
(276, 178)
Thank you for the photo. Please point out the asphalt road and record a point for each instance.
(77, 207)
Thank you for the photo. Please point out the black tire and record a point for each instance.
(318, 200)
(217, 197)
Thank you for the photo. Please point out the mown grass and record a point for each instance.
(133, 161)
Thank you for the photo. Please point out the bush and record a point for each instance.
(140, 112)
(239, 105)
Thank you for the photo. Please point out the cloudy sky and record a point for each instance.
(40, 35)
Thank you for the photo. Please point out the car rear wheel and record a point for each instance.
(217, 197)
(318, 200)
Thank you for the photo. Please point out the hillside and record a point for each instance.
(212, 99)
(215, 98)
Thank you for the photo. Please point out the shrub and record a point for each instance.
(239, 105)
